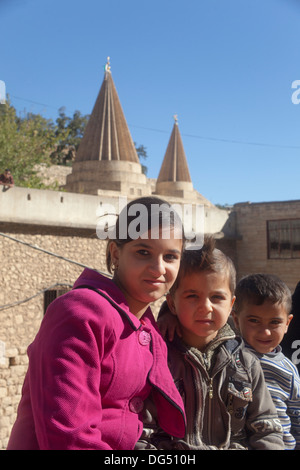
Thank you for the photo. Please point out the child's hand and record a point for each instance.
(168, 323)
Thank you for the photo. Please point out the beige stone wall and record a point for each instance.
(251, 246)
(12, 371)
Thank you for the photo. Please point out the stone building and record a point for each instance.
(48, 237)
(268, 239)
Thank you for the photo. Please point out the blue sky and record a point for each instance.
(226, 69)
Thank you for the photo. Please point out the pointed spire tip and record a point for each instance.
(107, 65)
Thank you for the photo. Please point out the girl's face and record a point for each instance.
(146, 269)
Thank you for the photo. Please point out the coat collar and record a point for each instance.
(225, 337)
(105, 287)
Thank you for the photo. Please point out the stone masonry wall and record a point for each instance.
(251, 245)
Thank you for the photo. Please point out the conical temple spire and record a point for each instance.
(174, 167)
(106, 159)
(107, 136)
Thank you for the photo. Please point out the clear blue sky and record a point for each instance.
(225, 67)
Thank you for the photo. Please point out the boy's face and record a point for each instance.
(202, 303)
(262, 326)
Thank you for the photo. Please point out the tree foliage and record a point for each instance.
(142, 153)
(69, 132)
(29, 141)
(24, 143)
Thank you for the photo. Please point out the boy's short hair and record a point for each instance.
(255, 289)
(208, 258)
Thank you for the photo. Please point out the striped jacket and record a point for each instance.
(283, 381)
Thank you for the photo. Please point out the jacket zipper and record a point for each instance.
(209, 381)
(210, 395)
(210, 388)
(198, 409)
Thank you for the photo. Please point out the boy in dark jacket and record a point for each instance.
(228, 405)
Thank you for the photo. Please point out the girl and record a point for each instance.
(98, 353)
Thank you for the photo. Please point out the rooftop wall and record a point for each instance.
(54, 208)
(65, 209)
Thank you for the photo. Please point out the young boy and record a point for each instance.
(262, 315)
(228, 405)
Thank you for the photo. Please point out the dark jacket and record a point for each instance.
(226, 400)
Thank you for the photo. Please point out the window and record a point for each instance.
(52, 294)
(283, 238)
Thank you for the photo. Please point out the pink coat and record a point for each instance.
(91, 366)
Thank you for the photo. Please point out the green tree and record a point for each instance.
(24, 143)
(142, 153)
(69, 132)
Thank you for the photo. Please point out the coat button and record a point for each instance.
(144, 338)
(136, 404)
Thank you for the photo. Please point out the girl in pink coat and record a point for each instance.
(98, 353)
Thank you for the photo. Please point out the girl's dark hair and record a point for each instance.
(255, 289)
(208, 258)
(148, 211)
